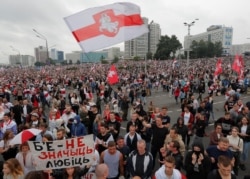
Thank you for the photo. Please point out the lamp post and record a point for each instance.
(189, 25)
(19, 54)
(41, 36)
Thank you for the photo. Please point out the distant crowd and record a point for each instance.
(73, 101)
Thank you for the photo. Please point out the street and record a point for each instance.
(161, 98)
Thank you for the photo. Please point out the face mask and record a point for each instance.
(67, 112)
(75, 121)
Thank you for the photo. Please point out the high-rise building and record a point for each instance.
(214, 33)
(140, 46)
(60, 55)
(28, 60)
(53, 54)
(15, 59)
(23, 60)
(56, 54)
(41, 54)
(154, 36)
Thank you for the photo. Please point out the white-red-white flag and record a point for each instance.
(218, 69)
(112, 75)
(103, 26)
(238, 66)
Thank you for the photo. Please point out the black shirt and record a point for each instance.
(159, 135)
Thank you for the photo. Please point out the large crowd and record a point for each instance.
(77, 100)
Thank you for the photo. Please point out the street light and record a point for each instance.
(19, 54)
(41, 36)
(189, 25)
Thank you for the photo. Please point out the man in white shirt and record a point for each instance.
(68, 114)
(7, 124)
(168, 170)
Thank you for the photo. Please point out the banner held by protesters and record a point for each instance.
(63, 153)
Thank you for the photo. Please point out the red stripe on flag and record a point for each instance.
(94, 29)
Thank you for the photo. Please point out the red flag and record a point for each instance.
(218, 69)
(238, 66)
(112, 75)
(103, 26)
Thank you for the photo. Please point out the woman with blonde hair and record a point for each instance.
(12, 169)
(8, 151)
(236, 146)
(96, 126)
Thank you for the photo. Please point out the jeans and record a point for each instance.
(245, 152)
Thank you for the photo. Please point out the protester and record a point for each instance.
(224, 169)
(244, 133)
(26, 158)
(159, 132)
(12, 169)
(131, 138)
(236, 146)
(102, 171)
(215, 151)
(114, 160)
(197, 164)
(8, 151)
(140, 162)
(168, 170)
(216, 134)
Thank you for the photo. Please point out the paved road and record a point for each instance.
(161, 98)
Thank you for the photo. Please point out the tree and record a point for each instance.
(64, 62)
(136, 58)
(104, 61)
(203, 49)
(218, 49)
(70, 62)
(78, 62)
(167, 45)
(39, 64)
(115, 60)
(150, 55)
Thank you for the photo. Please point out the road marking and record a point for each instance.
(220, 102)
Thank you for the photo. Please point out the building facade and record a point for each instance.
(74, 57)
(41, 54)
(23, 60)
(214, 33)
(53, 54)
(94, 57)
(56, 54)
(140, 46)
(154, 37)
(60, 55)
(240, 49)
(112, 52)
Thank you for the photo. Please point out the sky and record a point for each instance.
(18, 18)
